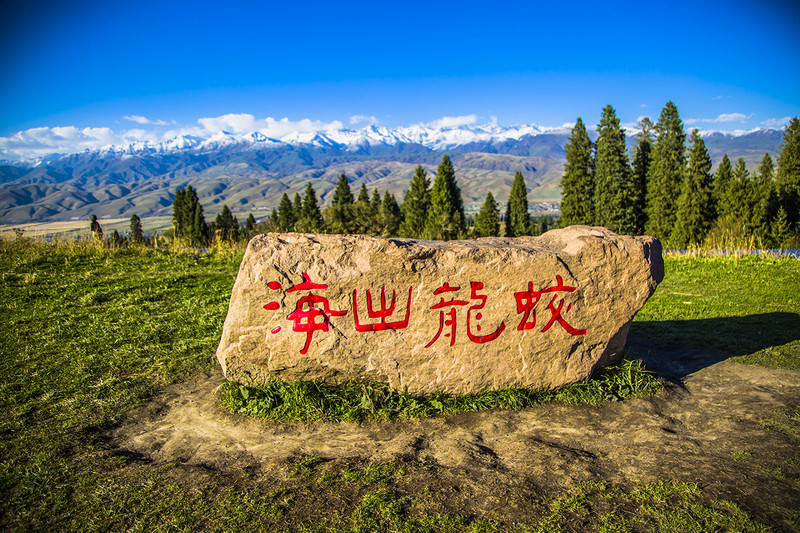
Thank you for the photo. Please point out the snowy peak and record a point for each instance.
(436, 136)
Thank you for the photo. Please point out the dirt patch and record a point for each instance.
(717, 424)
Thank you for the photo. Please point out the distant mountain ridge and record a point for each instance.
(250, 171)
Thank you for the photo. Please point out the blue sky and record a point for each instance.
(165, 65)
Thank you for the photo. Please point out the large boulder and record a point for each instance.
(456, 317)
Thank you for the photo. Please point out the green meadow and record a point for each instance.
(89, 333)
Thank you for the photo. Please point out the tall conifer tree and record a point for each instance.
(226, 225)
(199, 232)
(415, 205)
(250, 223)
(297, 208)
(788, 176)
(614, 190)
(518, 219)
(286, 218)
(390, 215)
(311, 220)
(766, 199)
(136, 234)
(722, 180)
(577, 183)
(180, 215)
(487, 223)
(665, 174)
(446, 213)
(641, 163)
(342, 212)
(740, 195)
(696, 203)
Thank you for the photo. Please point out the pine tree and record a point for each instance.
(136, 234)
(780, 229)
(183, 212)
(341, 213)
(577, 183)
(273, 221)
(740, 194)
(696, 203)
(788, 176)
(518, 220)
(250, 223)
(342, 195)
(415, 205)
(613, 181)
(487, 223)
(297, 209)
(199, 232)
(187, 217)
(311, 219)
(286, 218)
(226, 225)
(722, 181)
(765, 203)
(375, 225)
(641, 163)
(665, 175)
(446, 213)
(363, 195)
(390, 215)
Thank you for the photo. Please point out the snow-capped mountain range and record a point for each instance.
(250, 171)
(432, 138)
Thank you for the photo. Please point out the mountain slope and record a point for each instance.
(251, 172)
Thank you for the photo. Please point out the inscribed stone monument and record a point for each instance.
(457, 317)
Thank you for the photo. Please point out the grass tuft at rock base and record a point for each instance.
(359, 401)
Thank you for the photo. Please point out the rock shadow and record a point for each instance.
(677, 348)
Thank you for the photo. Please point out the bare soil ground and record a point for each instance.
(720, 424)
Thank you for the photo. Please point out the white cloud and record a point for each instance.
(246, 123)
(453, 122)
(38, 142)
(139, 119)
(562, 129)
(776, 122)
(360, 119)
(724, 118)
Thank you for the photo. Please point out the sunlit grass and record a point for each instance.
(355, 401)
(88, 333)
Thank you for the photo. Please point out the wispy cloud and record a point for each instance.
(361, 119)
(776, 122)
(724, 118)
(453, 122)
(246, 123)
(37, 143)
(40, 142)
(139, 119)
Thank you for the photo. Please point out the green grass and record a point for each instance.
(746, 308)
(309, 400)
(87, 334)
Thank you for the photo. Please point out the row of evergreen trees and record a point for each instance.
(662, 192)
(428, 211)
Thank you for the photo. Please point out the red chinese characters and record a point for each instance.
(312, 311)
(307, 317)
(383, 313)
(451, 320)
(527, 300)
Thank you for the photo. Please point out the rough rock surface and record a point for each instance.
(457, 317)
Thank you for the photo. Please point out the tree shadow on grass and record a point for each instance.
(677, 348)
